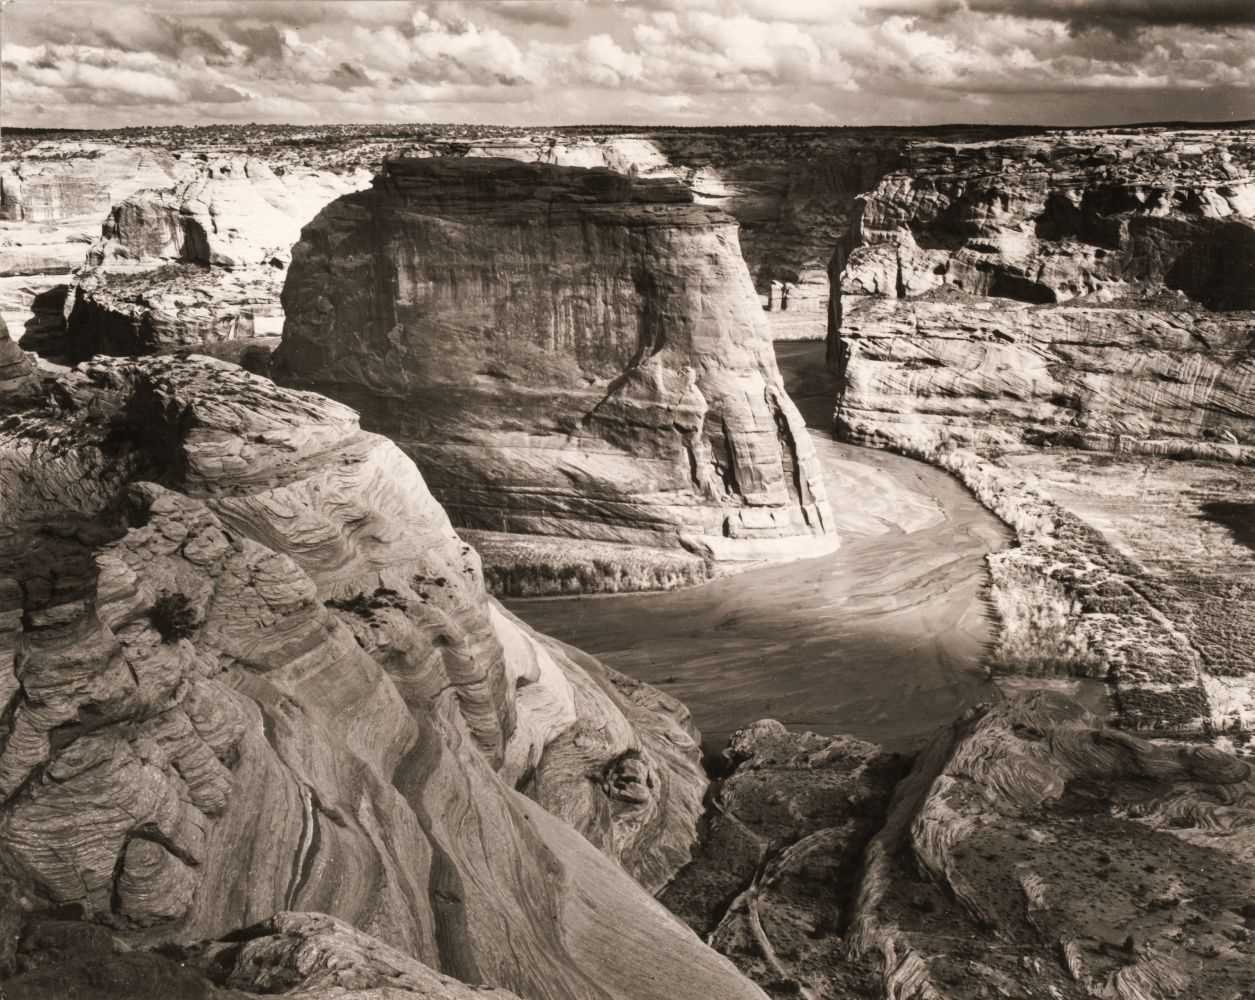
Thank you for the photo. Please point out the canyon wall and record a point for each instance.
(19, 379)
(248, 667)
(565, 352)
(1092, 288)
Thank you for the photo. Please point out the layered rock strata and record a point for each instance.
(1095, 288)
(173, 307)
(250, 668)
(564, 352)
(193, 264)
(19, 378)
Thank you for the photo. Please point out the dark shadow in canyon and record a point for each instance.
(1239, 518)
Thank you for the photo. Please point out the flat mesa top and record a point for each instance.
(514, 187)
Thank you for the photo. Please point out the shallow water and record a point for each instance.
(881, 639)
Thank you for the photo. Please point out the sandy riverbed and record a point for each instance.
(881, 639)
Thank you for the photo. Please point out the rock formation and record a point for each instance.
(19, 378)
(310, 956)
(231, 212)
(1033, 853)
(250, 668)
(1094, 288)
(564, 352)
(53, 197)
(196, 263)
(792, 191)
(173, 307)
(59, 179)
(1028, 852)
(774, 882)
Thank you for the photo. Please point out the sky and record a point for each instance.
(67, 63)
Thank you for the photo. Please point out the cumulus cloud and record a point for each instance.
(93, 62)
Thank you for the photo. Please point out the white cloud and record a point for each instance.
(688, 61)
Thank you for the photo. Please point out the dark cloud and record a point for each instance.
(192, 37)
(347, 76)
(559, 14)
(263, 41)
(1126, 15)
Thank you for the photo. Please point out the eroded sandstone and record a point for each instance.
(565, 352)
(251, 669)
(1093, 287)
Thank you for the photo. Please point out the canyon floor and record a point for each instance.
(882, 640)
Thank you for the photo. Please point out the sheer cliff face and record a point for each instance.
(1096, 291)
(563, 351)
(248, 667)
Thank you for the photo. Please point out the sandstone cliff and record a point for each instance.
(172, 307)
(193, 264)
(1089, 287)
(231, 212)
(564, 352)
(19, 379)
(250, 668)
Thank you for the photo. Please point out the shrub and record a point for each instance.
(173, 616)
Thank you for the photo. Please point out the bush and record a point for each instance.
(174, 617)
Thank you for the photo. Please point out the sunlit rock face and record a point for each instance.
(197, 263)
(792, 191)
(1033, 852)
(564, 352)
(1093, 289)
(53, 197)
(248, 667)
(230, 212)
(57, 179)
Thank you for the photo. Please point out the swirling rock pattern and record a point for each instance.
(250, 668)
(1096, 290)
(563, 351)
